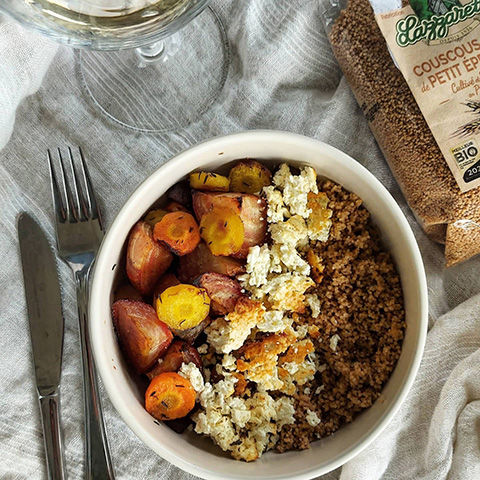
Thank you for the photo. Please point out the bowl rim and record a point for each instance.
(101, 264)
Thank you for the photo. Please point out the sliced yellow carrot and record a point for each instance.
(209, 181)
(222, 230)
(183, 306)
(249, 176)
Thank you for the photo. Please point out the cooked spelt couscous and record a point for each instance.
(358, 333)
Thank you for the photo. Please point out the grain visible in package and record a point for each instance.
(446, 214)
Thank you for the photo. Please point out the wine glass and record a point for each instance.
(143, 63)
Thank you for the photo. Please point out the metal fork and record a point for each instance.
(79, 233)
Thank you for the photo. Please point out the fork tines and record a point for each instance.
(77, 203)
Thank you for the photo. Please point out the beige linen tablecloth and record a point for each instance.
(282, 76)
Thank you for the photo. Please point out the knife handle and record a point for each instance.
(52, 435)
(99, 464)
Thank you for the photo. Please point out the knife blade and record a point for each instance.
(44, 307)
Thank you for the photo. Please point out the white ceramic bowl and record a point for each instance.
(197, 454)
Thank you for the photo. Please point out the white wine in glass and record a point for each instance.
(143, 63)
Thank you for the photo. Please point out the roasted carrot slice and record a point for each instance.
(223, 231)
(154, 216)
(209, 181)
(169, 396)
(249, 176)
(183, 306)
(179, 231)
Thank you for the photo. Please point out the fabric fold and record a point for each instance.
(25, 58)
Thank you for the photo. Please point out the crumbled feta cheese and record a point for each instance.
(296, 189)
(306, 391)
(259, 359)
(319, 367)
(229, 333)
(258, 266)
(229, 362)
(318, 222)
(240, 414)
(291, 232)
(258, 419)
(276, 210)
(291, 367)
(286, 291)
(314, 303)
(301, 331)
(334, 342)
(266, 375)
(281, 176)
(289, 260)
(302, 373)
(226, 387)
(312, 418)
(274, 321)
(202, 349)
(319, 389)
(191, 372)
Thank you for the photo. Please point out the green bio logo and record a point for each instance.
(433, 19)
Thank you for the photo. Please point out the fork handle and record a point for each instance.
(98, 462)
(52, 436)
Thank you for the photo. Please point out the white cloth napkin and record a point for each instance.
(24, 60)
(282, 76)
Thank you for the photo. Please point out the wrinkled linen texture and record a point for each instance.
(282, 76)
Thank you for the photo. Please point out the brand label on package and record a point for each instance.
(436, 46)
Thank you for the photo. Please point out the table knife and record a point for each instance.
(44, 306)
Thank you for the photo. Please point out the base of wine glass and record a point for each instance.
(165, 86)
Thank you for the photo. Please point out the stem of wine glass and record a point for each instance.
(151, 53)
(159, 51)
